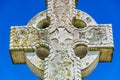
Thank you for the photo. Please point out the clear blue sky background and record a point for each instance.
(19, 12)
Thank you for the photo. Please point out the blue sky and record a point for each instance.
(19, 12)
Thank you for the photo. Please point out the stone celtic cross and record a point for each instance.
(61, 43)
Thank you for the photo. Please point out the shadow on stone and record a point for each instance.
(78, 23)
(80, 51)
(44, 23)
(42, 52)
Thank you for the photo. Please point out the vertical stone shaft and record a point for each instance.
(61, 11)
(62, 64)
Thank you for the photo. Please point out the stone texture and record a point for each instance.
(61, 42)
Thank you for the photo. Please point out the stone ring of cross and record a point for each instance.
(61, 43)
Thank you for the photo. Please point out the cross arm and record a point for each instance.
(25, 39)
(97, 38)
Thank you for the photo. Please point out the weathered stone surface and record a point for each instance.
(17, 56)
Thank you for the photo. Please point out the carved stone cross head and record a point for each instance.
(61, 43)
